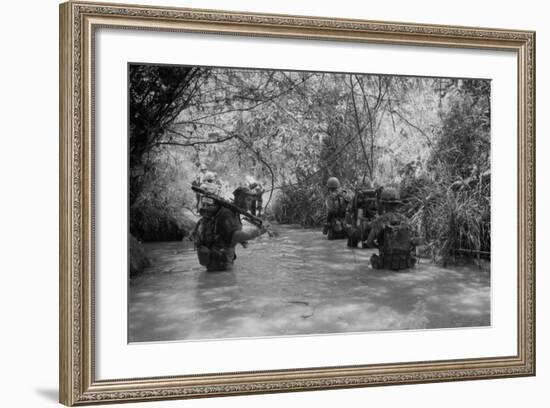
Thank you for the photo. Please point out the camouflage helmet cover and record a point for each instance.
(333, 183)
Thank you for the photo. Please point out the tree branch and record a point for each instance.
(359, 128)
(414, 126)
(200, 142)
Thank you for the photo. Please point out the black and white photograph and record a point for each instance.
(283, 203)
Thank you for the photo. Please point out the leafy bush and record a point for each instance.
(138, 259)
(151, 223)
(301, 204)
(161, 211)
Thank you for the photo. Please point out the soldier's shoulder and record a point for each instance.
(390, 217)
(395, 216)
(225, 211)
(225, 215)
(381, 219)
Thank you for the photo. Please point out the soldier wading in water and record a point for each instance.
(336, 203)
(391, 233)
(220, 230)
(361, 212)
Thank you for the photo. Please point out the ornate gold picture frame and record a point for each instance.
(78, 381)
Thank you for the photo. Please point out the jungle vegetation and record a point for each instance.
(429, 137)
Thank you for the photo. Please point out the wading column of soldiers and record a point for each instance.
(369, 218)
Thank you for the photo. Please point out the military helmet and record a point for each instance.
(210, 176)
(203, 167)
(333, 183)
(242, 190)
(390, 195)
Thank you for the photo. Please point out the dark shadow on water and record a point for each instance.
(50, 394)
(213, 280)
(445, 297)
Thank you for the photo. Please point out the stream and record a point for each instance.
(297, 283)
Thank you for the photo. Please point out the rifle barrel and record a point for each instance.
(225, 203)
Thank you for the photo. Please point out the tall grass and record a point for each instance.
(453, 219)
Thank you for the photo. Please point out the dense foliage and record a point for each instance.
(294, 130)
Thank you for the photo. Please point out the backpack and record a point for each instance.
(204, 237)
(395, 251)
(205, 232)
(396, 238)
(338, 205)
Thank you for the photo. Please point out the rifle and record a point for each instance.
(257, 221)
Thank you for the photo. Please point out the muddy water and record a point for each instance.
(297, 283)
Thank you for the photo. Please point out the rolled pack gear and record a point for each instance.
(208, 204)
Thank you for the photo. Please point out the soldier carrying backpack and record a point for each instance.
(220, 230)
(361, 212)
(391, 233)
(336, 204)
